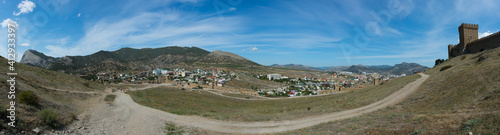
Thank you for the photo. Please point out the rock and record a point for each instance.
(36, 58)
(36, 130)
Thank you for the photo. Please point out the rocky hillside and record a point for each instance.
(129, 59)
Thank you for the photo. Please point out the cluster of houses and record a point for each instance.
(160, 75)
(328, 83)
(180, 76)
(321, 83)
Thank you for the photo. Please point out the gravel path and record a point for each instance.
(128, 117)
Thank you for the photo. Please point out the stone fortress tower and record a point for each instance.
(469, 42)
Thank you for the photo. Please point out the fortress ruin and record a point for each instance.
(469, 42)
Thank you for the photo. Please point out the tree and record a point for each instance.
(439, 61)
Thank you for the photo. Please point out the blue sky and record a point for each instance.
(315, 33)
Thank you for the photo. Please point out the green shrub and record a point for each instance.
(469, 124)
(28, 97)
(48, 117)
(3, 112)
(173, 130)
(73, 116)
(445, 67)
(416, 132)
(86, 84)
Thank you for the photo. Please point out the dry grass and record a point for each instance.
(248, 82)
(462, 98)
(241, 95)
(217, 107)
(38, 81)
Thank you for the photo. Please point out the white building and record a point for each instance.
(273, 76)
(159, 71)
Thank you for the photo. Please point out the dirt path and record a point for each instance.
(86, 92)
(128, 117)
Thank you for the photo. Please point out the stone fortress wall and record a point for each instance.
(469, 42)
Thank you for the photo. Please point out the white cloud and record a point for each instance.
(6, 22)
(484, 34)
(25, 44)
(255, 49)
(25, 7)
(79, 14)
(232, 9)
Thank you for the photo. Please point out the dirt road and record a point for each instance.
(128, 117)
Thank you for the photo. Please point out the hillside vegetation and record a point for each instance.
(46, 91)
(461, 95)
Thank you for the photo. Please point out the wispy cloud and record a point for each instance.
(146, 30)
(78, 14)
(232, 9)
(25, 7)
(251, 49)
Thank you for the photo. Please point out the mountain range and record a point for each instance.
(403, 68)
(129, 59)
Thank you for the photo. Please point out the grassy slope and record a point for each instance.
(463, 98)
(37, 80)
(214, 106)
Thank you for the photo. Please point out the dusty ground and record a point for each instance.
(128, 117)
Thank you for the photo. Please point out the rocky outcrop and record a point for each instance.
(35, 58)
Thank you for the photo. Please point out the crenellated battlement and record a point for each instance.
(469, 25)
